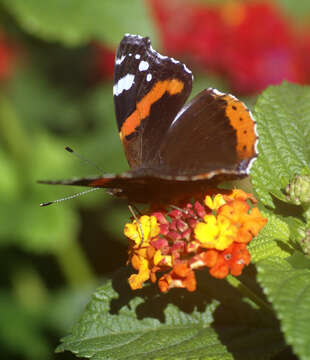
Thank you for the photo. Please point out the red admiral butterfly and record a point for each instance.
(173, 149)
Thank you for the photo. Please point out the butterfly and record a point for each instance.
(173, 149)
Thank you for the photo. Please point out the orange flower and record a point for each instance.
(180, 277)
(247, 222)
(213, 233)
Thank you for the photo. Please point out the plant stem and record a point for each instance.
(12, 132)
(74, 265)
(249, 293)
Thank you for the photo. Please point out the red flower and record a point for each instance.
(7, 56)
(252, 43)
(260, 48)
(104, 62)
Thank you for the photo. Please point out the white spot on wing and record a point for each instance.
(187, 69)
(162, 56)
(171, 59)
(123, 84)
(144, 65)
(118, 61)
(216, 92)
(148, 77)
(137, 56)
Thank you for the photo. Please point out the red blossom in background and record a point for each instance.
(104, 61)
(7, 57)
(251, 43)
(304, 52)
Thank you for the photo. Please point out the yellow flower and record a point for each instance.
(136, 280)
(215, 232)
(149, 227)
(163, 259)
(215, 203)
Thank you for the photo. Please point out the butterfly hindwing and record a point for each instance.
(214, 132)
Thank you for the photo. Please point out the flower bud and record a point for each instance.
(298, 190)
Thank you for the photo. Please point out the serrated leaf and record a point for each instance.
(74, 22)
(121, 324)
(283, 122)
(272, 240)
(286, 283)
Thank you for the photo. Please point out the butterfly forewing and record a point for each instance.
(149, 90)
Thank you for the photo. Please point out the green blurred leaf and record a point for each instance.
(299, 9)
(65, 307)
(286, 283)
(272, 240)
(119, 323)
(103, 145)
(34, 228)
(9, 184)
(41, 103)
(74, 22)
(283, 122)
(20, 331)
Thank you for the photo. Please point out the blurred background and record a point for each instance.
(56, 69)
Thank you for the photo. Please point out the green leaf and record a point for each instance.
(20, 331)
(272, 240)
(65, 306)
(283, 122)
(212, 323)
(74, 22)
(32, 227)
(287, 286)
(300, 9)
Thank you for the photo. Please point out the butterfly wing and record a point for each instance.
(149, 90)
(214, 134)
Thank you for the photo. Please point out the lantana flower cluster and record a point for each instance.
(167, 246)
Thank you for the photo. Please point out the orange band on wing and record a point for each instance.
(241, 120)
(172, 86)
(99, 182)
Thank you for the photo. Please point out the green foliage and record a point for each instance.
(21, 331)
(273, 239)
(52, 100)
(299, 9)
(75, 22)
(118, 324)
(283, 115)
(286, 282)
(283, 122)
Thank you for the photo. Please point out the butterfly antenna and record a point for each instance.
(70, 150)
(69, 197)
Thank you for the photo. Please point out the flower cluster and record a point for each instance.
(252, 44)
(167, 246)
